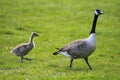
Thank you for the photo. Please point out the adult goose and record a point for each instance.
(81, 48)
(24, 48)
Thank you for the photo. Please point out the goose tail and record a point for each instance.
(55, 53)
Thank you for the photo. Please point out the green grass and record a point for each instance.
(58, 22)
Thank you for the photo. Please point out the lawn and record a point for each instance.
(59, 22)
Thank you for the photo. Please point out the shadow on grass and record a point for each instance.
(79, 69)
(73, 69)
(20, 28)
(53, 65)
(6, 32)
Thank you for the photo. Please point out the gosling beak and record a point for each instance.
(37, 35)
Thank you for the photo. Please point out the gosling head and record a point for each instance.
(34, 34)
(98, 12)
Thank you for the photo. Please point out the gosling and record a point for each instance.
(24, 48)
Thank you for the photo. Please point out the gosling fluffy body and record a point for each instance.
(24, 48)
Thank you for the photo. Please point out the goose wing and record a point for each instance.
(73, 47)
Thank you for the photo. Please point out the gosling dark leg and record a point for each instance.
(28, 59)
(21, 58)
(71, 60)
(86, 59)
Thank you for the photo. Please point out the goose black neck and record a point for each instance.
(94, 24)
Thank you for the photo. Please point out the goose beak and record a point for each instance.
(101, 12)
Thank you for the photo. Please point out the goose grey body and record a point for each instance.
(82, 48)
(24, 48)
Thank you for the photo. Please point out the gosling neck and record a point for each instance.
(31, 39)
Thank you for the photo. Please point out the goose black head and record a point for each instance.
(98, 12)
(34, 34)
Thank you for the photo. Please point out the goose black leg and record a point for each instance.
(86, 59)
(71, 60)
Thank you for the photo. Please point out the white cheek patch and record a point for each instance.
(96, 13)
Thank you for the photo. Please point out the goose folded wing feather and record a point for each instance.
(75, 45)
